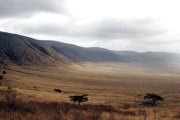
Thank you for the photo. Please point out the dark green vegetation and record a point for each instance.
(58, 90)
(79, 98)
(152, 98)
(3, 66)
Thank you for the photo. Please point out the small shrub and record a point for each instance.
(58, 90)
(79, 99)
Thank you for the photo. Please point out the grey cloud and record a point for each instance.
(138, 35)
(16, 8)
(42, 29)
(113, 29)
(100, 30)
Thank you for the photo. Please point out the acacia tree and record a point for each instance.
(152, 98)
(79, 99)
(2, 69)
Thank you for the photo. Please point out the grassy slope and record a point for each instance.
(106, 83)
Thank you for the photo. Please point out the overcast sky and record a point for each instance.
(138, 25)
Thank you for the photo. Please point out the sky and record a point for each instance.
(135, 25)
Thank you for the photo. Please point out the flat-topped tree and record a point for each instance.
(79, 99)
(152, 99)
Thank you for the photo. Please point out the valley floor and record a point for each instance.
(108, 84)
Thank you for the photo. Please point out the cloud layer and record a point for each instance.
(16, 8)
(106, 29)
(117, 28)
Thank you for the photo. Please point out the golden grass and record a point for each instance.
(114, 84)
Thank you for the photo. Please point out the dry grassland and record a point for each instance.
(107, 84)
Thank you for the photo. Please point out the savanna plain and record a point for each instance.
(112, 89)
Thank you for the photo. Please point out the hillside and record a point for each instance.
(77, 53)
(20, 49)
(24, 50)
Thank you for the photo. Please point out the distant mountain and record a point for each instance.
(77, 53)
(150, 57)
(24, 50)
